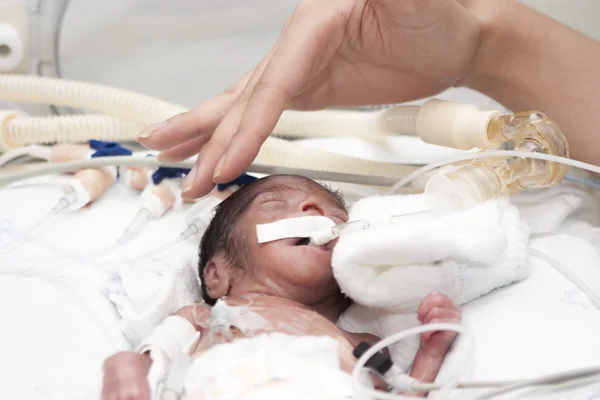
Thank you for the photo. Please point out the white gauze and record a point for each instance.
(299, 227)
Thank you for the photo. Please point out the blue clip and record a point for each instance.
(167, 172)
(106, 149)
(242, 180)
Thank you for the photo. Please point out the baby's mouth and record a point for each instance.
(306, 242)
(302, 242)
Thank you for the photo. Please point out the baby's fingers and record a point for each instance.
(440, 315)
(433, 300)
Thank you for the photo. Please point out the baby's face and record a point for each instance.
(297, 271)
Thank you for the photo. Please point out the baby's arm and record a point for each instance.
(126, 373)
(434, 308)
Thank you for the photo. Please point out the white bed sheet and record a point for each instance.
(543, 325)
(51, 341)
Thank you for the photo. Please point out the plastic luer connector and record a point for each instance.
(486, 178)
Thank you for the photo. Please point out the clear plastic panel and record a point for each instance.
(45, 23)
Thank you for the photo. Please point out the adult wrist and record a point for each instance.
(494, 62)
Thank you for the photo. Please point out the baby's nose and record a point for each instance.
(312, 208)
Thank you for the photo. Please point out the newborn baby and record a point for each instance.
(288, 283)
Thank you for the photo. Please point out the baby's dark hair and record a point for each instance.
(222, 232)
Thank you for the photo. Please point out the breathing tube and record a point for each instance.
(122, 106)
(438, 122)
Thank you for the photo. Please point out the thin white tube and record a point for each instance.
(487, 154)
(59, 168)
(544, 380)
(122, 104)
(452, 383)
(25, 131)
(35, 151)
(567, 273)
(391, 121)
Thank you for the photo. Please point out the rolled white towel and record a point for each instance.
(463, 255)
(388, 269)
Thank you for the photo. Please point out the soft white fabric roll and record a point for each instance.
(388, 269)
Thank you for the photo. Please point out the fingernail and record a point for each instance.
(189, 181)
(151, 130)
(218, 168)
(160, 156)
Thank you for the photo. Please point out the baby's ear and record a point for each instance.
(217, 276)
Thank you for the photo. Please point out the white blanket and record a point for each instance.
(388, 269)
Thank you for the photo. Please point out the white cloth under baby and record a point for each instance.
(388, 269)
(270, 366)
(146, 293)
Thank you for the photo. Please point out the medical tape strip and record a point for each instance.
(175, 335)
(299, 227)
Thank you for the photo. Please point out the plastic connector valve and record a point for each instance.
(378, 362)
(168, 173)
(384, 367)
(242, 180)
(487, 178)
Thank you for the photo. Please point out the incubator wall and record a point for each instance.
(203, 46)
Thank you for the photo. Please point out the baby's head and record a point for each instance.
(233, 262)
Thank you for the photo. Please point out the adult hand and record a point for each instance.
(126, 377)
(335, 52)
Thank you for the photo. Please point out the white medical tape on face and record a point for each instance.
(299, 227)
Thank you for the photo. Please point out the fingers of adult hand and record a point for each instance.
(307, 46)
(201, 121)
(252, 132)
(434, 299)
(201, 181)
(184, 150)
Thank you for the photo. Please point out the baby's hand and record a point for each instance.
(436, 308)
(126, 377)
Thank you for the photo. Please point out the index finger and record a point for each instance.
(293, 64)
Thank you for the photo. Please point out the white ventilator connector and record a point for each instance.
(440, 122)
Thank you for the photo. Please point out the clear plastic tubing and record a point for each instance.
(491, 154)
